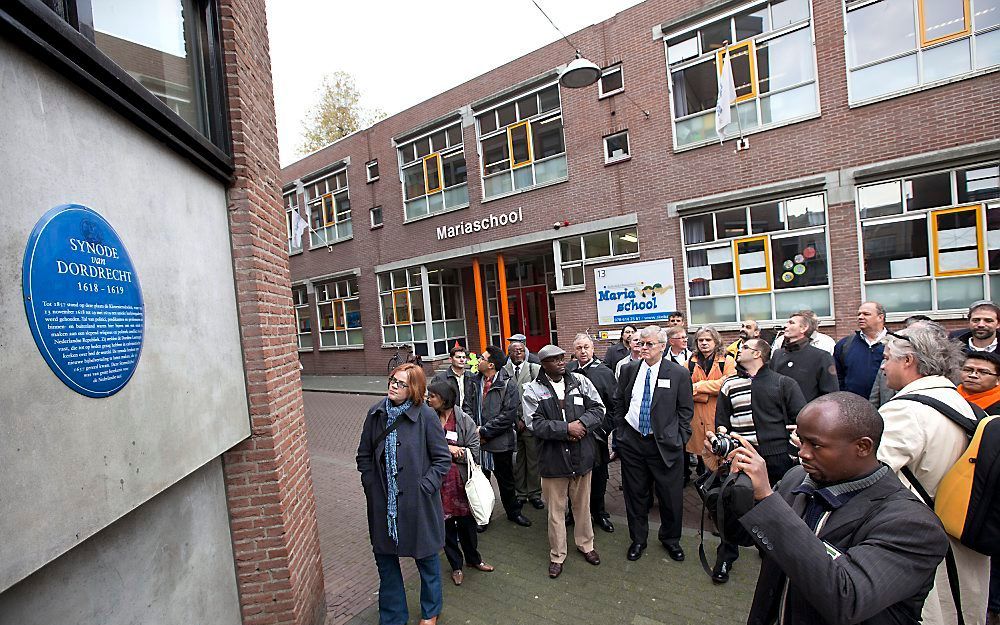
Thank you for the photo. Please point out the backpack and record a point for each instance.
(725, 496)
(968, 497)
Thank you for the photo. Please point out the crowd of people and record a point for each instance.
(843, 442)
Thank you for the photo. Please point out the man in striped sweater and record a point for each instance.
(759, 404)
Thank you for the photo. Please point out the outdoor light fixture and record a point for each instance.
(579, 73)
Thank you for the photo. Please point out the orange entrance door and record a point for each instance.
(529, 315)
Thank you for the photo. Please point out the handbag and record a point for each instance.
(478, 491)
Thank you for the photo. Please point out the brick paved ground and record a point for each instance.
(648, 592)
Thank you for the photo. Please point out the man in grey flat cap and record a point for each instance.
(563, 410)
(523, 340)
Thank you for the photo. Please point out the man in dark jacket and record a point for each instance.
(810, 366)
(984, 318)
(620, 349)
(858, 357)
(604, 381)
(843, 541)
(493, 405)
(563, 410)
(460, 379)
(760, 405)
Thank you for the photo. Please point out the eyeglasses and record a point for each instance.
(396, 382)
(648, 343)
(896, 335)
(977, 372)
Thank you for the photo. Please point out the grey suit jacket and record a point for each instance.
(670, 410)
(890, 542)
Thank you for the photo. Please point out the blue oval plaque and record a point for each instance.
(83, 300)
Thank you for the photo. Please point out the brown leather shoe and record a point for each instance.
(592, 557)
(457, 576)
(485, 568)
(555, 568)
(429, 621)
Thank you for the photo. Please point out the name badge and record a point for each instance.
(663, 384)
(578, 400)
(451, 436)
(832, 551)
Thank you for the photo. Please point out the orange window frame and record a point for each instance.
(751, 51)
(395, 306)
(967, 14)
(329, 208)
(510, 144)
(440, 174)
(338, 304)
(980, 262)
(767, 264)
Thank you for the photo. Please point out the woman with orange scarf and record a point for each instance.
(980, 381)
(709, 366)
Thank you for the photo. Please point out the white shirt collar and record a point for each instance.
(992, 347)
(878, 338)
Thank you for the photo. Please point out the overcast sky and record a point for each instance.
(402, 53)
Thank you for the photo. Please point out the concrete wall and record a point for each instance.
(74, 465)
(170, 561)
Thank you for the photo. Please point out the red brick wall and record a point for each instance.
(956, 114)
(268, 480)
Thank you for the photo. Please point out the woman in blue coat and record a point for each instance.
(403, 458)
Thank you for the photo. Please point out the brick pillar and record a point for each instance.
(268, 479)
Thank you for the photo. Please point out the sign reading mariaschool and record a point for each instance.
(635, 293)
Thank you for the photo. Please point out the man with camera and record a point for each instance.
(842, 540)
(760, 405)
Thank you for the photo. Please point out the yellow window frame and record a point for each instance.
(767, 264)
(510, 144)
(395, 307)
(427, 185)
(751, 54)
(327, 201)
(980, 262)
(923, 27)
(339, 303)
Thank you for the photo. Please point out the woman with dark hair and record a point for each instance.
(403, 450)
(620, 349)
(461, 433)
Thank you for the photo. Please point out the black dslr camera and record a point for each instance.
(723, 444)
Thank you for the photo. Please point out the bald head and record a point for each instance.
(857, 417)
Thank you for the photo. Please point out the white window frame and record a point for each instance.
(919, 50)
(372, 164)
(300, 308)
(926, 214)
(607, 71)
(584, 260)
(771, 291)
(290, 201)
(743, 102)
(451, 198)
(371, 217)
(549, 116)
(316, 191)
(628, 148)
(340, 296)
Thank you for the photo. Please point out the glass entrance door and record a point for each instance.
(529, 315)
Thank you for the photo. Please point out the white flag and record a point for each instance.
(727, 96)
(299, 226)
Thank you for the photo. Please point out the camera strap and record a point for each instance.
(708, 486)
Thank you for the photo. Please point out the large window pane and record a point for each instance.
(699, 229)
(883, 78)
(495, 157)
(788, 302)
(352, 308)
(901, 296)
(695, 129)
(497, 185)
(878, 200)
(157, 46)
(597, 245)
(766, 217)
(942, 18)
(719, 310)
(752, 23)
(895, 250)
(979, 184)
(710, 272)
(928, 191)
(755, 306)
(799, 261)
(625, 241)
(413, 181)
(731, 223)
(947, 60)
(805, 211)
(695, 89)
(547, 138)
(715, 35)
(787, 12)
(988, 48)
(880, 30)
(681, 49)
(549, 99)
(570, 250)
(551, 169)
(787, 105)
(785, 61)
(454, 170)
(986, 13)
(956, 293)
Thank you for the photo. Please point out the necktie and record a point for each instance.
(517, 371)
(644, 426)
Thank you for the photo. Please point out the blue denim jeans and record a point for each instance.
(392, 595)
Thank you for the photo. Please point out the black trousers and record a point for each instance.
(598, 487)
(461, 530)
(503, 468)
(644, 470)
(777, 466)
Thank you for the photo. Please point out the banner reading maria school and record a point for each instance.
(636, 293)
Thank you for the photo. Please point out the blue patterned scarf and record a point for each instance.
(394, 413)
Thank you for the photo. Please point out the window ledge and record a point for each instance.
(615, 161)
(525, 190)
(305, 350)
(603, 260)
(570, 289)
(932, 85)
(322, 245)
(295, 253)
(371, 180)
(342, 348)
(936, 315)
(611, 93)
(701, 144)
(428, 216)
(376, 227)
